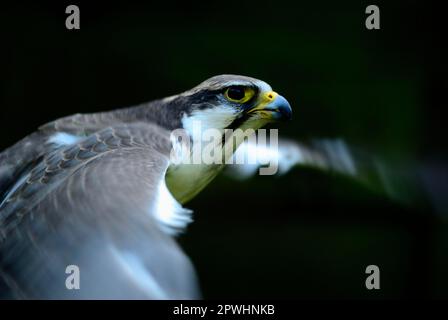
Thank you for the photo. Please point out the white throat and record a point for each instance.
(187, 178)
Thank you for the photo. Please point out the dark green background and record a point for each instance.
(304, 235)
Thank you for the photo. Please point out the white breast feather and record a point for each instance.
(172, 217)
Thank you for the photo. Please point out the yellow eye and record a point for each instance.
(239, 94)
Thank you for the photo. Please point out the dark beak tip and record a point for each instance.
(286, 114)
(284, 109)
(280, 109)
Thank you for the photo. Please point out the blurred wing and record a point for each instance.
(100, 204)
(399, 182)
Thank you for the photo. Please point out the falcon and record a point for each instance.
(100, 192)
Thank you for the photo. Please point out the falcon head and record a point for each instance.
(228, 102)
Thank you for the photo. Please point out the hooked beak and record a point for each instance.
(272, 106)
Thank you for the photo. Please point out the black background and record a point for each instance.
(304, 235)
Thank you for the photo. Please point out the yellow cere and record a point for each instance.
(265, 99)
(269, 96)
